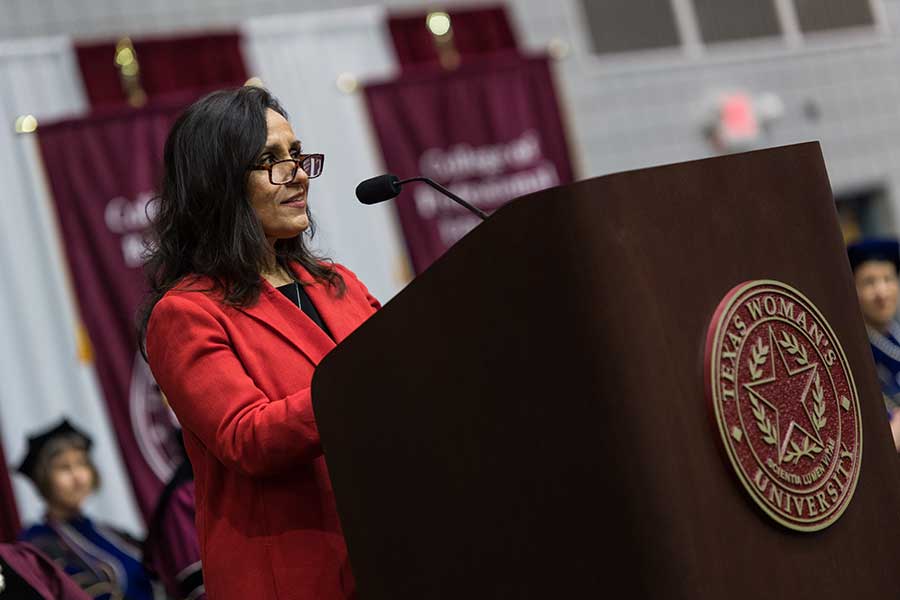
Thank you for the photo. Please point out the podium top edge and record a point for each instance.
(812, 146)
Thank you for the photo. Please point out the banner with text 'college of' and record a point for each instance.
(489, 131)
(102, 172)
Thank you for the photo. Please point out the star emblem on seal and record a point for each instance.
(785, 403)
(782, 388)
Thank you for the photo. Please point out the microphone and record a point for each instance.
(378, 189)
(387, 186)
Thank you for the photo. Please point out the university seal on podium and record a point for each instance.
(785, 403)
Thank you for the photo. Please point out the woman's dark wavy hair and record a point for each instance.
(204, 223)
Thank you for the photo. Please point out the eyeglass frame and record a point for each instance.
(297, 162)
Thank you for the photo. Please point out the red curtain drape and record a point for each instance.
(9, 515)
(167, 66)
(476, 32)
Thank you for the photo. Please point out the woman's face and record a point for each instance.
(878, 289)
(71, 480)
(281, 209)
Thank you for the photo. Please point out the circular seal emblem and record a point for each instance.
(152, 422)
(785, 403)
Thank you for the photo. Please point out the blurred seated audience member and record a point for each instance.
(875, 264)
(26, 574)
(105, 563)
(172, 549)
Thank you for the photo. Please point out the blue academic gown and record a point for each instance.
(98, 558)
(886, 352)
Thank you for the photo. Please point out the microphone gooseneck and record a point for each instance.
(387, 186)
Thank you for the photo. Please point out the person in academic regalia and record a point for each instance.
(172, 549)
(106, 563)
(875, 264)
(27, 574)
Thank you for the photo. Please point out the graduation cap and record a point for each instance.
(36, 444)
(883, 249)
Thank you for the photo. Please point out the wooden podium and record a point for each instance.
(528, 418)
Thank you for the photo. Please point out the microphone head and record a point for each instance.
(378, 189)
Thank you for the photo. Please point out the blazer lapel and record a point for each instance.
(301, 331)
(338, 314)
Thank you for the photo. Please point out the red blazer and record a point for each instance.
(239, 383)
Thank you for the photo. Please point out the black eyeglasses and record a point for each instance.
(284, 171)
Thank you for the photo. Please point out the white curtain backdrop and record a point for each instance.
(41, 376)
(300, 58)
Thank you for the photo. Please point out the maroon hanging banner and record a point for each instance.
(167, 66)
(102, 172)
(477, 32)
(489, 131)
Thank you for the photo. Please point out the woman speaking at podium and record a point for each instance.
(240, 313)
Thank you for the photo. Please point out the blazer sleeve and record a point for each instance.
(208, 388)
